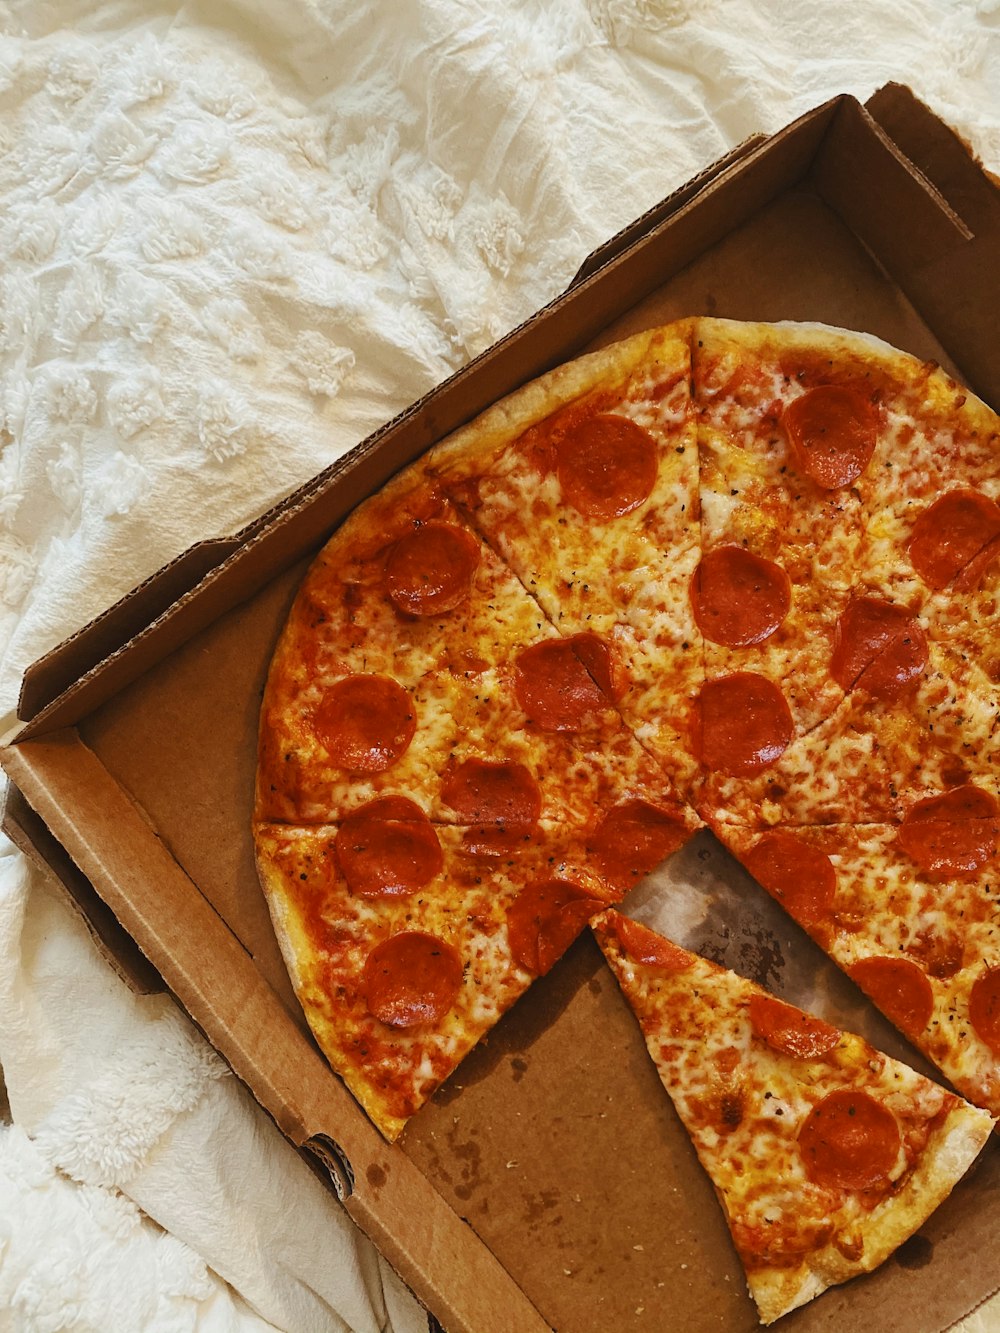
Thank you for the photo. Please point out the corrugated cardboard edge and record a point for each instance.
(32, 836)
(114, 846)
(661, 212)
(944, 158)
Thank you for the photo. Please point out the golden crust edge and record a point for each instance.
(752, 335)
(478, 442)
(950, 1152)
(511, 415)
(287, 929)
(492, 430)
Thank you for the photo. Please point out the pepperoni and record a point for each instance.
(954, 833)
(832, 430)
(606, 466)
(799, 876)
(645, 946)
(562, 683)
(899, 988)
(742, 724)
(984, 1007)
(493, 792)
(412, 979)
(430, 570)
(739, 598)
(365, 723)
(877, 647)
(633, 838)
(849, 1141)
(952, 534)
(387, 849)
(544, 920)
(789, 1030)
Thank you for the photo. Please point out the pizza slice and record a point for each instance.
(931, 497)
(918, 717)
(942, 552)
(836, 470)
(405, 943)
(825, 1154)
(592, 502)
(910, 912)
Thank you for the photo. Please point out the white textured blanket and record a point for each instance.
(235, 237)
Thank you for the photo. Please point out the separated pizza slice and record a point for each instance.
(406, 942)
(825, 1154)
(591, 498)
(911, 912)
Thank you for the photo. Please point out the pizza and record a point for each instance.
(740, 576)
(825, 1154)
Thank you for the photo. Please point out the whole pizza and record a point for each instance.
(736, 575)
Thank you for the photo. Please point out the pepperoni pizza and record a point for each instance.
(448, 786)
(826, 1155)
(728, 574)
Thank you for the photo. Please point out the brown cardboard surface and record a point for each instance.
(937, 151)
(552, 1155)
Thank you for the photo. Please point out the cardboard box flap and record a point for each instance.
(940, 154)
(621, 240)
(952, 236)
(47, 678)
(949, 289)
(871, 184)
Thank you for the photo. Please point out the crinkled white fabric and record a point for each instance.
(235, 239)
(86, 1258)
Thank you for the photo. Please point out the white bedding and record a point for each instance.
(235, 238)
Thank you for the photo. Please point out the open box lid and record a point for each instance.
(117, 781)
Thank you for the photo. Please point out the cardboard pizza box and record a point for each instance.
(548, 1185)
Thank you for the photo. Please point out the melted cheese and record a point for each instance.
(744, 1103)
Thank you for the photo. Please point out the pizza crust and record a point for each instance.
(469, 448)
(952, 1149)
